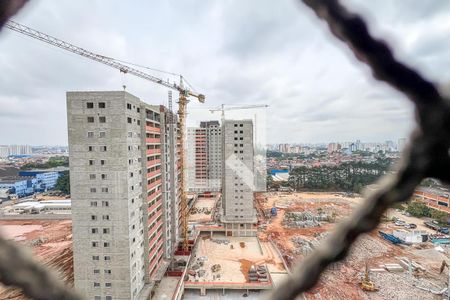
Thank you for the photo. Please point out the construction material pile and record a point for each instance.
(221, 241)
(200, 210)
(258, 274)
(198, 271)
(304, 219)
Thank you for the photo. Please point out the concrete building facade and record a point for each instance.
(238, 181)
(118, 210)
(171, 180)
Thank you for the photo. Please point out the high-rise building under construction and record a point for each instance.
(204, 157)
(238, 180)
(124, 175)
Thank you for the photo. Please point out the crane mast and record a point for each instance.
(182, 101)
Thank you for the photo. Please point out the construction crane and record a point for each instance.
(222, 108)
(184, 94)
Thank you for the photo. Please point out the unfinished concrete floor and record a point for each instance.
(235, 258)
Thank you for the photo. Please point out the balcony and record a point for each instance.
(154, 173)
(152, 129)
(153, 219)
(154, 206)
(151, 163)
(153, 140)
(152, 242)
(153, 184)
(153, 151)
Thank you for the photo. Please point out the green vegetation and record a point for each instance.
(279, 156)
(56, 161)
(363, 153)
(63, 183)
(271, 153)
(349, 176)
(419, 209)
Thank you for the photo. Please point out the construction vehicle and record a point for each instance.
(184, 93)
(435, 226)
(273, 211)
(391, 238)
(366, 284)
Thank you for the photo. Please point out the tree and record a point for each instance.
(348, 176)
(63, 183)
(55, 161)
(419, 209)
(439, 216)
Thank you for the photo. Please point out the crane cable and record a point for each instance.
(154, 69)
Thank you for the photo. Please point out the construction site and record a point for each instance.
(376, 267)
(49, 241)
(290, 227)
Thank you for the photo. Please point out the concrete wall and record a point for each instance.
(238, 177)
(115, 210)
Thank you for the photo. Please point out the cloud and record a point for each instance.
(235, 52)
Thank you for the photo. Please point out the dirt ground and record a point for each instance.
(341, 281)
(49, 241)
(235, 258)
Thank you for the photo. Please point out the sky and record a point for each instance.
(235, 52)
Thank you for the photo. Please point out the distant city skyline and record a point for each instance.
(305, 143)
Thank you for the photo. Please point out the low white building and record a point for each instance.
(41, 207)
(411, 237)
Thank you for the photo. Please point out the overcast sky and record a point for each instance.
(235, 52)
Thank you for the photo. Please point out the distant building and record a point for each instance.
(333, 147)
(204, 157)
(4, 151)
(41, 207)
(401, 144)
(35, 172)
(284, 148)
(437, 198)
(238, 182)
(29, 182)
(15, 150)
(390, 145)
(20, 186)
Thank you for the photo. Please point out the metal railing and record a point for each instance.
(426, 156)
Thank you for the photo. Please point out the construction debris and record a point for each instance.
(201, 210)
(216, 268)
(221, 241)
(304, 219)
(394, 267)
(408, 270)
